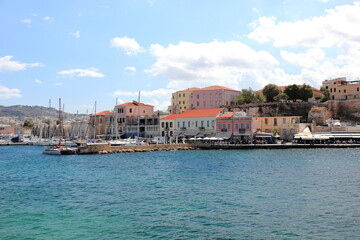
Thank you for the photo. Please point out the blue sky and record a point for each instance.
(85, 50)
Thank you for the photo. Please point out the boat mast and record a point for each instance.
(95, 122)
(60, 123)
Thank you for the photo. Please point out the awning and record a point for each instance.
(264, 135)
(190, 134)
(177, 134)
(241, 134)
(223, 135)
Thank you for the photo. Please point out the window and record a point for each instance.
(196, 123)
(275, 121)
(197, 96)
(242, 126)
(204, 104)
(162, 124)
(266, 121)
(171, 124)
(292, 131)
(229, 126)
(183, 123)
(130, 110)
(179, 95)
(284, 120)
(224, 126)
(334, 89)
(358, 89)
(236, 126)
(197, 103)
(247, 126)
(208, 123)
(183, 102)
(219, 126)
(188, 123)
(202, 123)
(184, 95)
(344, 90)
(330, 89)
(284, 132)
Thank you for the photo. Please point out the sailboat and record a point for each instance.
(60, 149)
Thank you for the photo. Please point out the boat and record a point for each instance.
(60, 149)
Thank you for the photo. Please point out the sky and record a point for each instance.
(107, 51)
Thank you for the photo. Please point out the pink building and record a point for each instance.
(213, 97)
(7, 130)
(132, 109)
(237, 124)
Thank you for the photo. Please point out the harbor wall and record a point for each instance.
(104, 148)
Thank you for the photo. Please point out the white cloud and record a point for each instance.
(75, 34)
(90, 72)
(130, 69)
(310, 59)
(58, 84)
(7, 93)
(7, 65)
(38, 81)
(47, 18)
(199, 64)
(128, 45)
(336, 28)
(28, 21)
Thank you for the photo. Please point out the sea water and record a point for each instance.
(237, 194)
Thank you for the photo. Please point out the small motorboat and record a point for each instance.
(60, 150)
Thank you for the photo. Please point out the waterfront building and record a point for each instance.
(202, 98)
(341, 89)
(97, 124)
(8, 130)
(193, 123)
(167, 126)
(237, 125)
(136, 119)
(284, 126)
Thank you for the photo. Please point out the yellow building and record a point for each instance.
(180, 101)
(340, 89)
(285, 126)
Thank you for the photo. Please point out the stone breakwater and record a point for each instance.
(106, 148)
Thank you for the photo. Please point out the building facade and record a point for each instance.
(180, 100)
(97, 125)
(213, 97)
(340, 89)
(285, 126)
(237, 125)
(202, 98)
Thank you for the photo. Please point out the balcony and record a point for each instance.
(224, 130)
(201, 128)
(242, 130)
(183, 128)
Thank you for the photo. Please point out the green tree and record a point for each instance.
(249, 96)
(281, 97)
(326, 93)
(293, 92)
(306, 92)
(28, 123)
(270, 91)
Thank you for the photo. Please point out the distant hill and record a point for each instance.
(35, 113)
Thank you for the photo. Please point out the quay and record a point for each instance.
(105, 148)
(13, 144)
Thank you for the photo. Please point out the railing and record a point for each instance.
(241, 130)
(183, 128)
(224, 130)
(201, 128)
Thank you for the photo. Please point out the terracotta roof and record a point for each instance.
(226, 115)
(189, 89)
(217, 87)
(101, 113)
(134, 103)
(170, 117)
(212, 112)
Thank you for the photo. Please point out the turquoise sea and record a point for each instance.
(244, 194)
